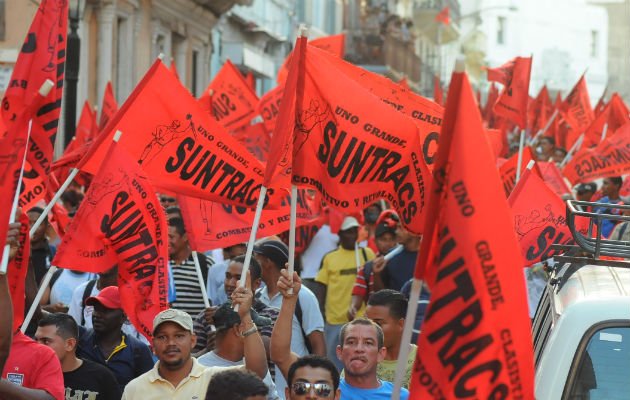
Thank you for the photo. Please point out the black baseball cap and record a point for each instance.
(275, 250)
(586, 187)
(225, 317)
(384, 228)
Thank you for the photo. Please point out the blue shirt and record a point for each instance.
(127, 361)
(607, 224)
(399, 270)
(383, 392)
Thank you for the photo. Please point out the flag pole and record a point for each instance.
(252, 238)
(38, 297)
(14, 205)
(403, 353)
(519, 162)
(604, 131)
(542, 131)
(292, 226)
(53, 201)
(574, 148)
(202, 284)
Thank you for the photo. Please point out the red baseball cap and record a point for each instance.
(108, 298)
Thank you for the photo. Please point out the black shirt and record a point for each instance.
(91, 381)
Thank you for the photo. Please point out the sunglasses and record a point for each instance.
(321, 389)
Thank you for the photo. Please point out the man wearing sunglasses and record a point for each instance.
(313, 377)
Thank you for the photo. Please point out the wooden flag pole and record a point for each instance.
(252, 238)
(292, 226)
(519, 163)
(14, 205)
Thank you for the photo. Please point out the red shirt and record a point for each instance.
(34, 366)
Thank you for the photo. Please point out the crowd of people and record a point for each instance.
(332, 330)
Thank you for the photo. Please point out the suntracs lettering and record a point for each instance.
(192, 161)
(592, 164)
(356, 161)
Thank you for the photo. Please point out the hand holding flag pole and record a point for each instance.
(44, 90)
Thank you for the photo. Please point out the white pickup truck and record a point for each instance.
(581, 329)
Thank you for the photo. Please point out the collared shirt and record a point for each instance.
(151, 386)
(131, 358)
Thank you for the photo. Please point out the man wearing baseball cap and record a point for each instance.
(336, 277)
(178, 375)
(108, 345)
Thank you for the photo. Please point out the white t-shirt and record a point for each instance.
(63, 288)
(323, 242)
(75, 312)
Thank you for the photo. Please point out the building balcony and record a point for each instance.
(220, 7)
(424, 13)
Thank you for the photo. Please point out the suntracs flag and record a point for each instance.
(122, 222)
(475, 341)
(610, 158)
(211, 225)
(181, 148)
(42, 57)
(233, 102)
(576, 108)
(512, 102)
(109, 107)
(354, 149)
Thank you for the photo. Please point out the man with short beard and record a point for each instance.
(178, 375)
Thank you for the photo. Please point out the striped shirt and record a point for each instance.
(187, 289)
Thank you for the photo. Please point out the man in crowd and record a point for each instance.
(108, 345)
(178, 375)
(393, 274)
(32, 371)
(236, 384)
(388, 309)
(83, 379)
(368, 230)
(188, 295)
(546, 146)
(610, 190)
(229, 350)
(312, 377)
(360, 351)
(307, 323)
(216, 274)
(336, 278)
(364, 284)
(203, 322)
(322, 243)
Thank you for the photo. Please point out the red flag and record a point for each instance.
(507, 171)
(404, 83)
(610, 158)
(251, 80)
(211, 225)
(355, 149)
(539, 219)
(497, 140)
(475, 340)
(333, 44)
(540, 111)
(601, 103)
(86, 127)
(179, 145)
(576, 108)
(122, 222)
(32, 189)
(16, 272)
(553, 178)
(512, 103)
(269, 106)
(443, 16)
(41, 57)
(173, 69)
(493, 95)
(109, 107)
(233, 102)
(438, 95)
(254, 138)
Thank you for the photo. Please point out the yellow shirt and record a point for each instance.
(338, 273)
(151, 386)
(386, 369)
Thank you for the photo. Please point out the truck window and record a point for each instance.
(603, 369)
